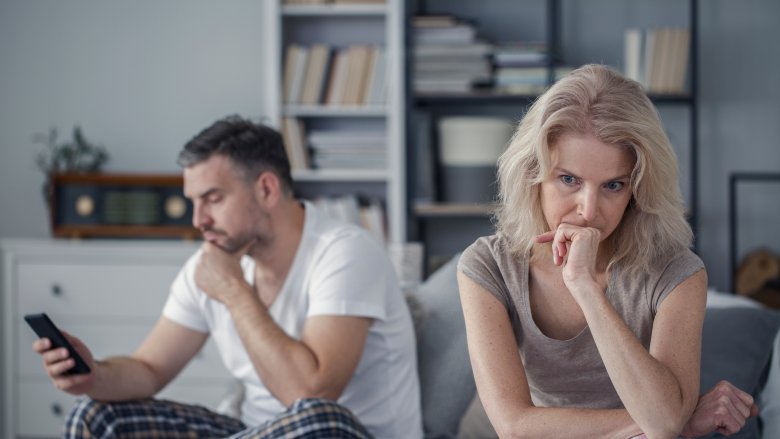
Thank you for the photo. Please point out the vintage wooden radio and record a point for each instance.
(120, 205)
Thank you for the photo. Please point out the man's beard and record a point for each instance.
(234, 244)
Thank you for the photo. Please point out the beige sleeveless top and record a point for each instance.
(570, 373)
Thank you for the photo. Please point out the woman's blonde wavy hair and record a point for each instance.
(596, 100)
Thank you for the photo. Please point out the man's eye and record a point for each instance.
(568, 179)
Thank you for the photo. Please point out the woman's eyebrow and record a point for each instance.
(567, 172)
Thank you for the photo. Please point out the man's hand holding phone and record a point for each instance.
(66, 359)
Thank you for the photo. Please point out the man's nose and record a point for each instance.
(200, 217)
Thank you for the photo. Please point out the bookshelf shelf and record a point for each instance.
(449, 210)
(356, 175)
(553, 25)
(334, 10)
(472, 98)
(671, 99)
(335, 111)
(490, 97)
(337, 94)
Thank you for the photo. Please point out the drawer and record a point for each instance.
(115, 339)
(42, 408)
(94, 290)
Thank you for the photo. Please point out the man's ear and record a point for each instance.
(268, 189)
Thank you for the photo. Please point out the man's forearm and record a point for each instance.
(287, 367)
(123, 379)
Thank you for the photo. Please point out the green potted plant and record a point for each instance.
(77, 155)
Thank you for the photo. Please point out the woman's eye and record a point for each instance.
(615, 186)
(568, 179)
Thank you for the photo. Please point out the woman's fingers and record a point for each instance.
(545, 237)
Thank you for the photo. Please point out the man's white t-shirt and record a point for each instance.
(338, 269)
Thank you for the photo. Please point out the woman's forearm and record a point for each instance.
(570, 423)
(649, 390)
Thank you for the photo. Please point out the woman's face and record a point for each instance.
(588, 185)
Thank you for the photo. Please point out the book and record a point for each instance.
(648, 59)
(293, 135)
(290, 59)
(315, 74)
(433, 21)
(359, 2)
(680, 65)
(358, 62)
(520, 54)
(298, 75)
(334, 95)
(632, 54)
(368, 74)
(661, 59)
(478, 49)
(377, 88)
(287, 140)
(658, 58)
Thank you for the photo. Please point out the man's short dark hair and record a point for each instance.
(253, 148)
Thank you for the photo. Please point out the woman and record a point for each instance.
(590, 277)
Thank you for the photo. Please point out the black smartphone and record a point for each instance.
(44, 327)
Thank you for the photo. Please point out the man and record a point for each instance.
(305, 311)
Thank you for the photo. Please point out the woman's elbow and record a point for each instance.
(665, 431)
(513, 425)
(668, 425)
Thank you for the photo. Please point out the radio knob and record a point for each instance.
(85, 205)
(175, 207)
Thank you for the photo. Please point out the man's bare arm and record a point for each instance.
(163, 354)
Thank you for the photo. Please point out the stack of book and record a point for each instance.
(348, 149)
(520, 67)
(369, 215)
(294, 138)
(526, 80)
(447, 55)
(658, 58)
(320, 74)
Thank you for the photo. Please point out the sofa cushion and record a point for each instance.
(737, 346)
(738, 342)
(770, 396)
(446, 381)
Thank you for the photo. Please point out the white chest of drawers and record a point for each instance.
(107, 293)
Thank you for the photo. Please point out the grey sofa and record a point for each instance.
(738, 340)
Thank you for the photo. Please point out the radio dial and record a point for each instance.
(175, 207)
(85, 205)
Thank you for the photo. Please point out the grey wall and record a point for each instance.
(142, 77)
(739, 105)
(740, 125)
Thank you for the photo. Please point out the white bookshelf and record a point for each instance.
(340, 26)
(356, 175)
(335, 111)
(333, 9)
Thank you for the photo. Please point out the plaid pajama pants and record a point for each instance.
(306, 418)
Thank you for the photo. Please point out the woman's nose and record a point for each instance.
(587, 204)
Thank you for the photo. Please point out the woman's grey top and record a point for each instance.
(570, 373)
